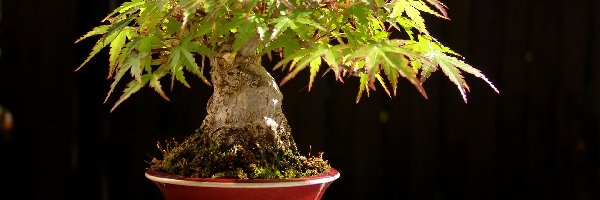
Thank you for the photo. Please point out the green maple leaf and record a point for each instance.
(156, 38)
(132, 87)
(390, 57)
(176, 67)
(452, 67)
(109, 35)
(133, 63)
(244, 33)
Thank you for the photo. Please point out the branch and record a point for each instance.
(286, 4)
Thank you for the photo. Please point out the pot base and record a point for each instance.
(181, 188)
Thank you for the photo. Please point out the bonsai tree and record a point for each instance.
(245, 133)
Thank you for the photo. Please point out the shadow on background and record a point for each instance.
(539, 139)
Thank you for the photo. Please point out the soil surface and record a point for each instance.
(197, 156)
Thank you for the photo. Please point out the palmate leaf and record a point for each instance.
(300, 53)
(190, 65)
(96, 31)
(121, 71)
(115, 49)
(314, 68)
(454, 75)
(413, 9)
(439, 6)
(426, 70)
(390, 57)
(138, 65)
(303, 18)
(398, 8)
(364, 78)
(109, 35)
(471, 70)
(100, 44)
(149, 42)
(361, 13)
(155, 84)
(133, 87)
(244, 33)
(434, 56)
(176, 67)
(306, 21)
(125, 7)
(414, 14)
(281, 24)
(299, 22)
(191, 6)
(127, 51)
(177, 72)
(118, 26)
(299, 63)
(288, 41)
(452, 67)
(382, 83)
(148, 12)
(312, 56)
(420, 5)
(333, 58)
(392, 76)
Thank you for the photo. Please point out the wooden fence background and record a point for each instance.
(539, 139)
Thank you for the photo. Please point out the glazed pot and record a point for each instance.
(182, 188)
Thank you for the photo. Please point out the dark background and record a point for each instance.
(539, 139)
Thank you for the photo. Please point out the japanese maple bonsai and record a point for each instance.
(245, 134)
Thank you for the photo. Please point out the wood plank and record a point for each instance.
(570, 108)
(486, 53)
(545, 176)
(453, 138)
(512, 122)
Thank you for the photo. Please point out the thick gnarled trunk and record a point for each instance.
(246, 105)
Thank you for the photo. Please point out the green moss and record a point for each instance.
(265, 172)
(197, 156)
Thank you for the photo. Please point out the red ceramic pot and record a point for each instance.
(182, 188)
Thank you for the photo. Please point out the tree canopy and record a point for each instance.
(150, 39)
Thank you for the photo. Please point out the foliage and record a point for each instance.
(150, 39)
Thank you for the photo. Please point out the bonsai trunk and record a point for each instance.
(245, 133)
(245, 108)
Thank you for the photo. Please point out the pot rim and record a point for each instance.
(328, 176)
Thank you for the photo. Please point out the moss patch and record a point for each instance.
(198, 156)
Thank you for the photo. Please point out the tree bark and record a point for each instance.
(245, 108)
